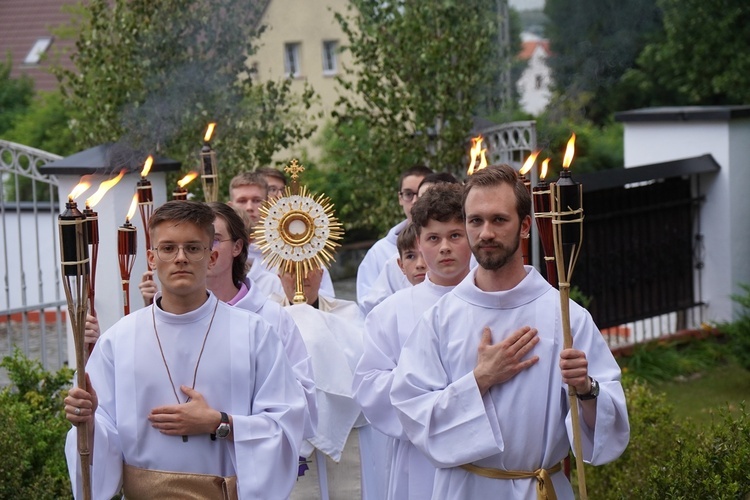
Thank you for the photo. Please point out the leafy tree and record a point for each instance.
(153, 74)
(703, 58)
(592, 45)
(15, 95)
(45, 126)
(418, 71)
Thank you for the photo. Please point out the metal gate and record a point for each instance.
(32, 306)
(642, 254)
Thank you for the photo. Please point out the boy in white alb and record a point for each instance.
(438, 220)
(188, 393)
(391, 278)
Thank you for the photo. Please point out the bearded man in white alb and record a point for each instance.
(485, 397)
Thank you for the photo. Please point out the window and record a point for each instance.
(38, 50)
(291, 60)
(330, 49)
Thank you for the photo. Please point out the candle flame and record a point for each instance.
(133, 206)
(147, 166)
(477, 151)
(569, 152)
(209, 132)
(77, 191)
(545, 165)
(529, 163)
(103, 188)
(187, 179)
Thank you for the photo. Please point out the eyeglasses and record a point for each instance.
(407, 194)
(273, 190)
(167, 252)
(218, 242)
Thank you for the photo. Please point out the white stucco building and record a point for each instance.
(536, 80)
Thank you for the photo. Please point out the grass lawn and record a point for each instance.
(696, 396)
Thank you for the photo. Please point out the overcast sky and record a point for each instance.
(526, 4)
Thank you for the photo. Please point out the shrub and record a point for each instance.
(739, 331)
(707, 464)
(653, 430)
(32, 431)
(672, 458)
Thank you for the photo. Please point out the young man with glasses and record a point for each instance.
(188, 394)
(275, 179)
(385, 248)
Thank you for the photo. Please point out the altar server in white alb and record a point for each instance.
(441, 240)
(481, 386)
(189, 396)
(385, 248)
(392, 277)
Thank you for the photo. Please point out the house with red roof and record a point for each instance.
(27, 35)
(536, 80)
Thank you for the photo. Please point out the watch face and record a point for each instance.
(223, 430)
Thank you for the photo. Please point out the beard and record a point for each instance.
(494, 258)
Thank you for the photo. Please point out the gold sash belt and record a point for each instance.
(142, 484)
(545, 490)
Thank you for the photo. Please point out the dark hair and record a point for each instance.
(236, 228)
(442, 202)
(248, 179)
(407, 239)
(419, 170)
(438, 177)
(184, 211)
(495, 175)
(272, 172)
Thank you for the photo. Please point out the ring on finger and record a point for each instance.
(77, 411)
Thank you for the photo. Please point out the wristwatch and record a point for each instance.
(593, 393)
(223, 430)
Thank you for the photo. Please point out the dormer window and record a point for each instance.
(37, 51)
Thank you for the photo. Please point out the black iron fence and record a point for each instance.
(641, 258)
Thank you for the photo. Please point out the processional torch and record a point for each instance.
(181, 192)
(126, 251)
(543, 217)
(209, 174)
(74, 257)
(567, 229)
(145, 198)
(92, 231)
(298, 232)
(527, 184)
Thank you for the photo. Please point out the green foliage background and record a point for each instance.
(419, 71)
(32, 431)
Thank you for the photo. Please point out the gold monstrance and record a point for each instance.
(298, 231)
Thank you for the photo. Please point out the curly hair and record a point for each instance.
(442, 202)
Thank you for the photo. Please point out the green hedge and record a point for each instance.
(32, 431)
(668, 457)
